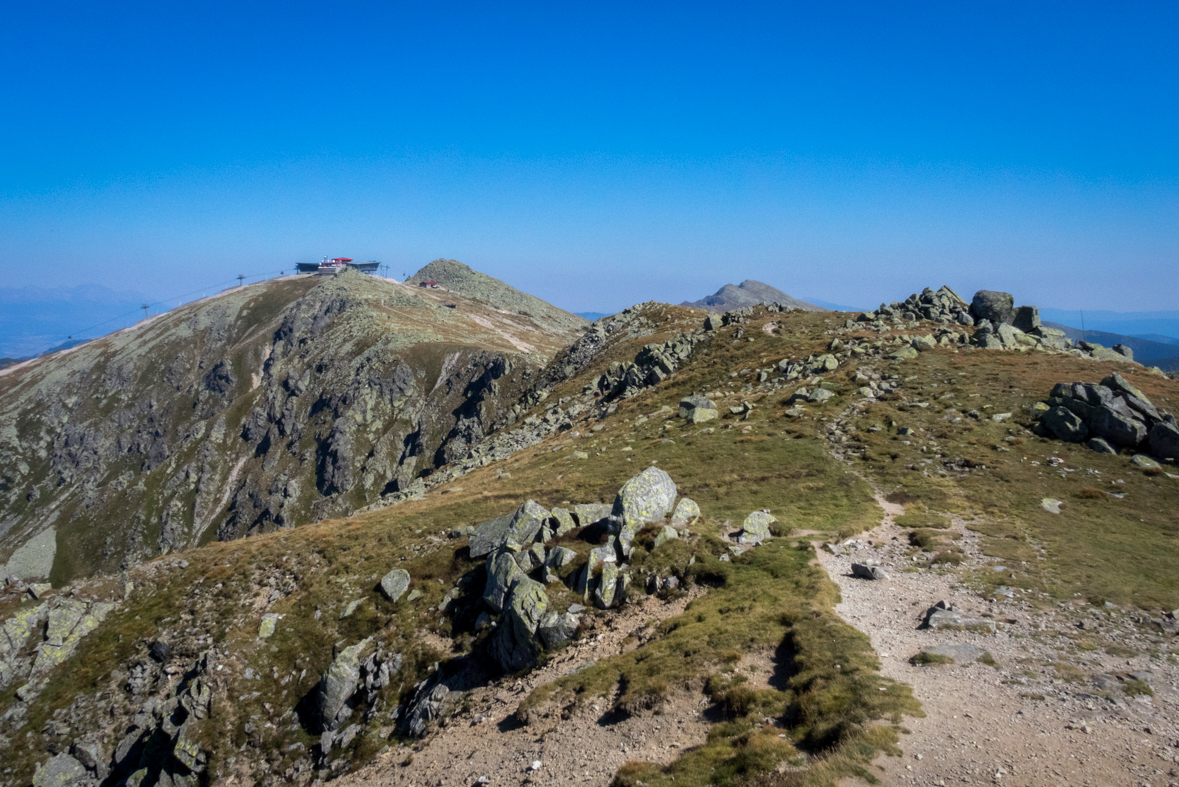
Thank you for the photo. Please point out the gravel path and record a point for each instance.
(1012, 723)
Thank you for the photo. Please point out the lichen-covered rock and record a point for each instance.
(514, 644)
(686, 513)
(267, 626)
(337, 687)
(502, 573)
(564, 522)
(69, 621)
(647, 497)
(697, 409)
(756, 527)
(525, 525)
(664, 535)
(556, 630)
(61, 771)
(607, 586)
(591, 513)
(489, 536)
(395, 583)
(559, 557)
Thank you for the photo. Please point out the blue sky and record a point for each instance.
(603, 154)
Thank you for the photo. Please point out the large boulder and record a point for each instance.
(1065, 425)
(502, 573)
(697, 409)
(1164, 441)
(338, 686)
(61, 771)
(489, 536)
(591, 513)
(756, 527)
(395, 583)
(564, 522)
(426, 706)
(997, 307)
(514, 644)
(1027, 318)
(557, 629)
(524, 525)
(647, 497)
(1118, 426)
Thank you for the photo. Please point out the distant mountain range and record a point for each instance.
(37, 320)
(1152, 353)
(1148, 325)
(749, 293)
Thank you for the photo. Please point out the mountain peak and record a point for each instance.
(748, 293)
(460, 278)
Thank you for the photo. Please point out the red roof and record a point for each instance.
(341, 259)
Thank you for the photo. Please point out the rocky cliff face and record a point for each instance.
(265, 407)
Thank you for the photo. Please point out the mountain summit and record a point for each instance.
(456, 277)
(749, 293)
(267, 406)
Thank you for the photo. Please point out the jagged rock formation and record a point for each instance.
(262, 408)
(748, 293)
(1112, 416)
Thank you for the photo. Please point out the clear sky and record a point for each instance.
(600, 154)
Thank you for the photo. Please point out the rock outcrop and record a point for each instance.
(1110, 416)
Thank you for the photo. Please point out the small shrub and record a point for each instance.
(1089, 493)
(947, 557)
(1137, 688)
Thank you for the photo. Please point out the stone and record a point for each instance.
(1027, 318)
(514, 644)
(37, 590)
(502, 573)
(997, 307)
(697, 409)
(395, 583)
(557, 629)
(68, 623)
(1101, 446)
(868, 572)
(559, 557)
(1065, 425)
(564, 520)
(1164, 441)
(591, 513)
(961, 654)
(756, 527)
(1051, 505)
(664, 535)
(1145, 462)
(647, 497)
(686, 513)
(350, 608)
(489, 536)
(1117, 428)
(61, 771)
(268, 625)
(923, 343)
(713, 322)
(91, 757)
(337, 686)
(819, 395)
(951, 620)
(526, 522)
(580, 455)
(1117, 382)
(906, 353)
(607, 586)
(426, 706)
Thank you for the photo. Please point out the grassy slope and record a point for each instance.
(769, 598)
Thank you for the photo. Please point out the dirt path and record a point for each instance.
(1025, 720)
(483, 740)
